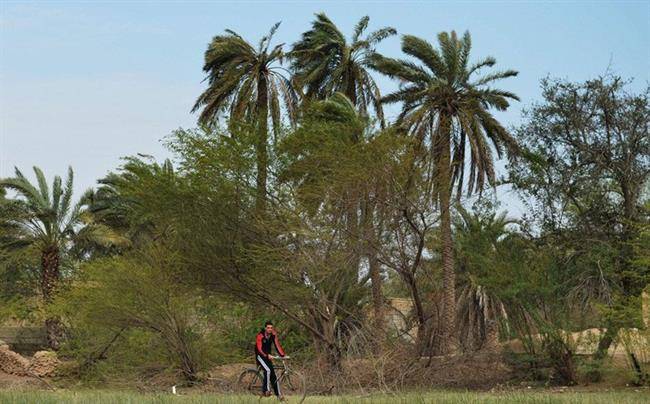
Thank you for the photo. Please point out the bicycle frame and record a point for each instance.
(284, 372)
(283, 367)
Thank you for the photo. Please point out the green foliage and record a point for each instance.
(582, 181)
(588, 185)
(327, 155)
(248, 84)
(138, 299)
(125, 199)
(325, 63)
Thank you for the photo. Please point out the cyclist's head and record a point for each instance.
(268, 327)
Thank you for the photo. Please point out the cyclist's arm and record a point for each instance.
(278, 347)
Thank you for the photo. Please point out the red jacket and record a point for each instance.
(263, 344)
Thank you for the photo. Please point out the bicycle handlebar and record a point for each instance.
(279, 357)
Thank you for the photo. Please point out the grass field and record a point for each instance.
(112, 397)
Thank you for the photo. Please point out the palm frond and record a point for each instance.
(360, 27)
(426, 53)
(42, 184)
(495, 76)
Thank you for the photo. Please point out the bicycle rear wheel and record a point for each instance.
(293, 383)
(250, 381)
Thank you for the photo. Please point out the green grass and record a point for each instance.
(110, 397)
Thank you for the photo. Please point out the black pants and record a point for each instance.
(270, 380)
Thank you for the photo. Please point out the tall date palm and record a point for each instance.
(247, 84)
(446, 105)
(325, 65)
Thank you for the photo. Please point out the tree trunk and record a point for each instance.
(448, 341)
(49, 282)
(374, 266)
(351, 88)
(491, 335)
(261, 143)
(379, 323)
(631, 287)
(594, 374)
(377, 297)
(325, 341)
(422, 334)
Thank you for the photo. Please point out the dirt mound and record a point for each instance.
(44, 364)
(12, 363)
(13, 370)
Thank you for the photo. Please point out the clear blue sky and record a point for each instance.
(84, 84)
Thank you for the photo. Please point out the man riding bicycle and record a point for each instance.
(265, 340)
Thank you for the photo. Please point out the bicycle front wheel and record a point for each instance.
(250, 381)
(293, 383)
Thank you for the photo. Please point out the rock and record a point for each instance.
(44, 363)
(12, 363)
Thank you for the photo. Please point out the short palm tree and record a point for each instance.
(44, 218)
(120, 201)
(480, 238)
(324, 62)
(445, 107)
(247, 84)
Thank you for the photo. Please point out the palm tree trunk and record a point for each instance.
(49, 281)
(448, 343)
(491, 335)
(261, 142)
(351, 87)
(420, 315)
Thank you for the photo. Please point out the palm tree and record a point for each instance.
(445, 107)
(324, 63)
(120, 202)
(51, 224)
(247, 85)
(480, 239)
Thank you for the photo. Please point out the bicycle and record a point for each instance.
(291, 382)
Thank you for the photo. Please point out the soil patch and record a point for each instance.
(229, 373)
(480, 370)
(14, 382)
